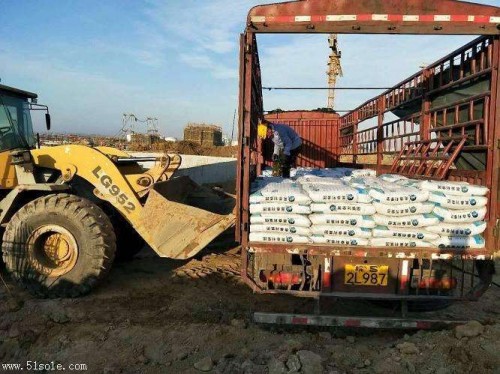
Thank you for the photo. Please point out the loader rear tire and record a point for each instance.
(59, 245)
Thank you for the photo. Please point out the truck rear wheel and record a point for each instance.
(59, 246)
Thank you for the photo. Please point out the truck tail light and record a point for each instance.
(280, 278)
(438, 283)
(327, 275)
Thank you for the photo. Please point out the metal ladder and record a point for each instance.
(428, 159)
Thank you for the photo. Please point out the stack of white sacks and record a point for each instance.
(402, 212)
(279, 214)
(341, 213)
(461, 208)
(356, 208)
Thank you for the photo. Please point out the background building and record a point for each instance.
(203, 134)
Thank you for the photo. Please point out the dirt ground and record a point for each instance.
(153, 315)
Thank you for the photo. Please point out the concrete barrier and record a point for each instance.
(201, 169)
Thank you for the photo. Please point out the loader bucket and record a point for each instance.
(182, 217)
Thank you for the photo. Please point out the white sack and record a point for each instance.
(415, 220)
(325, 230)
(343, 220)
(281, 229)
(409, 233)
(280, 219)
(398, 242)
(460, 216)
(399, 195)
(403, 209)
(339, 240)
(323, 193)
(457, 202)
(263, 237)
(460, 242)
(458, 229)
(454, 188)
(343, 208)
(276, 208)
(302, 199)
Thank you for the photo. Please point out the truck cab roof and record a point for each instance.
(17, 92)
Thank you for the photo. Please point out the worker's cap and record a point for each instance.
(262, 130)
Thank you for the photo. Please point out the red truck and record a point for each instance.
(447, 128)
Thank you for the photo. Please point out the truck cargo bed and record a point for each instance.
(447, 128)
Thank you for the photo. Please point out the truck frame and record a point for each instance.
(436, 136)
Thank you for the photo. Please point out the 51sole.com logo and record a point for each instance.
(37, 366)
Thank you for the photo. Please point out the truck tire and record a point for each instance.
(59, 245)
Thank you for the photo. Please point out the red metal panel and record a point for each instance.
(375, 17)
(318, 131)
(250, 111)
(239, 170)
(493, 167)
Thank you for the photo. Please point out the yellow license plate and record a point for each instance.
(366, 275)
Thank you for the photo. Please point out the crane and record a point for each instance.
(334, 69)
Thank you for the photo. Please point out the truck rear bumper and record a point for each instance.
(354, 321)
(367, 273)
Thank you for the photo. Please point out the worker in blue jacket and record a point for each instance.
(285, 140)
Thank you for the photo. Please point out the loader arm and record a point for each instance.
(174, 217)
(110, 151)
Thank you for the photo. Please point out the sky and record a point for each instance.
(91, 61)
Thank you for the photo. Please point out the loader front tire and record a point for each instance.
(59, 245)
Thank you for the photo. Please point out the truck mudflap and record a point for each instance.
(181, 217)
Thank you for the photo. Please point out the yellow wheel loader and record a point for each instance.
(67, 211)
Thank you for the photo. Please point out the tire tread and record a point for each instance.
(101, 237)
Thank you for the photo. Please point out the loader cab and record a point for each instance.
(16, 127)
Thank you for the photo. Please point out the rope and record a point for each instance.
(327, 88)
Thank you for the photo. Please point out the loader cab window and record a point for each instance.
(16, 128)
